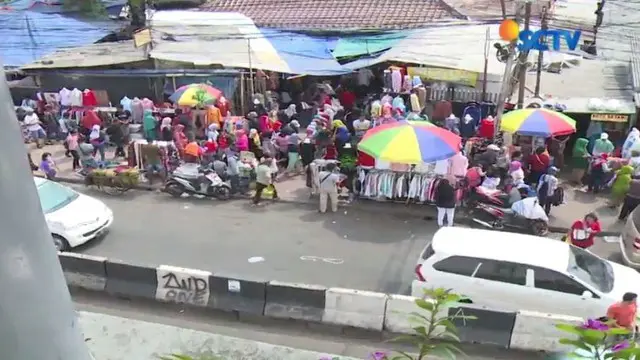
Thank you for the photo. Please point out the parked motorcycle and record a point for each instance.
(197, 181)
(525, 215)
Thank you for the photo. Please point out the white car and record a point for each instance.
(73, 218)
(507, 271)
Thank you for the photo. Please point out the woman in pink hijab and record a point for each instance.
(242, 141)
(264, 124)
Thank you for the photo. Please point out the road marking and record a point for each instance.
(322, 259)
(255, 259)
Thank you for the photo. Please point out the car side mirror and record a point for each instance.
(587, 294)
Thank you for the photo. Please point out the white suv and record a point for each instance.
(511, 272)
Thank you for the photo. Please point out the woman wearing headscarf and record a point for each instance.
(598, 169)
(212, 132)
(445, 198)
(264, 124)
(149, 125)
(516, 173)
(255, 145)
(620, 185)
(340, 133)
(165, 129)
(97, 139)
(580, 158)
(180, 139)
(242, 141)
(632, 139)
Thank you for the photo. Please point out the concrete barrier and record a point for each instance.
(84, 271)
(355, 308)
(295, 301)
(183, 286)
(399, 315)
(537, 331)
(490, 327)
(337, 307)
(230, 293)
(130, 281)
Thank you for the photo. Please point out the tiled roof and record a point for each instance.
(491, 9)
(338, 14)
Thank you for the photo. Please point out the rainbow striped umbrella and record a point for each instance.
(410, 142)
(195, 94)
(537, 122)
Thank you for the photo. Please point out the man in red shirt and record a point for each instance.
(624, 312)
(347, 99)
(538, 164)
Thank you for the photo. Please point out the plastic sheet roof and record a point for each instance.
(233, 40)
(27, 35)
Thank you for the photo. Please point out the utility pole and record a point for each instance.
(37, 319)
(507, 78)
(543, 26)
(522, 61)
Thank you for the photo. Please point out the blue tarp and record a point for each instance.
(26, 35)
(305, 54)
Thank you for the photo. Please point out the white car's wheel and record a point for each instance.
(60, 243)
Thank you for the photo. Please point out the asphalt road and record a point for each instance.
(359, 346)
(284, 242)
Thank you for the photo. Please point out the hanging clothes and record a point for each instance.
(89, 98)
(147, 104)
(396, 80)
(125, 102)
(406, 84)
(75, 98)
(137, 111)
(65, 97)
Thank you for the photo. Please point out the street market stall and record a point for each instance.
(407, 154)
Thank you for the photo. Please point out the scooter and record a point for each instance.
(499, 218)
(206, 182)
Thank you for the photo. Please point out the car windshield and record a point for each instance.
(590, 269)
(54, 196)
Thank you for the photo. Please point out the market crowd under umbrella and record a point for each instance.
(537, 122)
(195, 94)
(410, 142)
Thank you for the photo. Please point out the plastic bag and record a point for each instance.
(268, 192)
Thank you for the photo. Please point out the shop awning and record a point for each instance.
(304, 54)
(359, 45)
(454, 47)
(232, 40)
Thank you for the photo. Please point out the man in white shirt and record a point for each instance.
(328, 181)
(32, 123)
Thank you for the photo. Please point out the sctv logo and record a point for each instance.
(532, 40)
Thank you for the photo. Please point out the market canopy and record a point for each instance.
(232, 40)
(410, 142)
(454, 46)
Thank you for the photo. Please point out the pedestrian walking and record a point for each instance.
(264, 180)
(445, 202)
(580, 157)
(328, 187)
(547, 185)
(631, 200)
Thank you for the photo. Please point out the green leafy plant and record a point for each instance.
(434, 334)
(596, 340)
(348, 162)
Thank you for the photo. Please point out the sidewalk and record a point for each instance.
(293, 190)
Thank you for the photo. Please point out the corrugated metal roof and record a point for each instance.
(102, 54)
(338, 14)
(26, 35)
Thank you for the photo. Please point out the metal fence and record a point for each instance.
(461, 95)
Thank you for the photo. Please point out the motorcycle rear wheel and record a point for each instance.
(539, 228)
(174, 189)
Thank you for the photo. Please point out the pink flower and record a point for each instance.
(620, 346)
(594, 325)
(378, 355)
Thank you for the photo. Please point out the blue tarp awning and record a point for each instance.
(27, 35)
(304, 54)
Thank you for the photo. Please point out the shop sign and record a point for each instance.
(610, 117)
(462, 77)
(142, 38)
